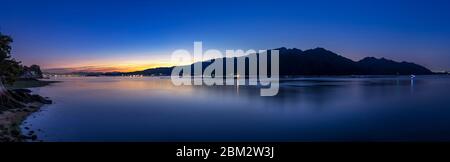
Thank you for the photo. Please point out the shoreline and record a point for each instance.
(11, 120)
(23, 105)
(30, 83)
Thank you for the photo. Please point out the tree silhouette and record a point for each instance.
(5, 48)
(10, 69)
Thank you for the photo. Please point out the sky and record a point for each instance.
(113, 35)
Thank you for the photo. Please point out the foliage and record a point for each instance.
(10, 69)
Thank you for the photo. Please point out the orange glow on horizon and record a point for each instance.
(117, 64)
(119, 67)
(130, 64)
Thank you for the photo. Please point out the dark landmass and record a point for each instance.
(161, 71)
(32, 72)
(16, 103)
(29, 83)
(318, 61)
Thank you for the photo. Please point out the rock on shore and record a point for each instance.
(15, 106)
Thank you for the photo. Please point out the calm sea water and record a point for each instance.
(306, 109)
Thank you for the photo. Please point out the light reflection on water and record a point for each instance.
(306, 109)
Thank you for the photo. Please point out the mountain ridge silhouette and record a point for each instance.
(317, 61)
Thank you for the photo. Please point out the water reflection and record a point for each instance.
(306, 109)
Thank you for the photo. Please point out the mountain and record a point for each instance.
(371, 65)
(161, 71)
(319, 61)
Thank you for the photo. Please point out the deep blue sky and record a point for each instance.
(83, 33)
